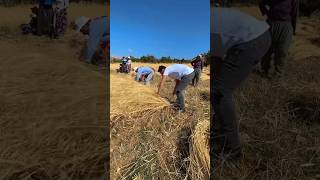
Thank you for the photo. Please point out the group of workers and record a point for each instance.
(49, 18)
(239, 43)
(181, 73)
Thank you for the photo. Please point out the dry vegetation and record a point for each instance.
(279, 126)
(52, 106)
(154, 142)
(280, 120)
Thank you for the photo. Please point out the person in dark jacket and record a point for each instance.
(282, 18)
(45, 17)
(197, 65)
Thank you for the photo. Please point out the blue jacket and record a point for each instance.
(98, 32)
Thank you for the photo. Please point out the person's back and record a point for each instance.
(176, 71)
(230, 27)
(98, 31)
(144, 70)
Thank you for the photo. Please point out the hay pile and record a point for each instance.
(129, 97)
(199, 155)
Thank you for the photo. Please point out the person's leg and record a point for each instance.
(285, 33)
(185, 81)
(266, 61)
(149, 77)
(238, 64)
(195, 77)
(198, 76)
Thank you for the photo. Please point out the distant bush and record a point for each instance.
(9, 3)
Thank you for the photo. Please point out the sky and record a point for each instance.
(175, 28)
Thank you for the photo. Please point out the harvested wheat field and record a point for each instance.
(279, 119)
(52, 106)
(280, 125)
(148, 139)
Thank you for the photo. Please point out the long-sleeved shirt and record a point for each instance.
(280, 10)
(143, 71)
(98, 32)
(230, 27)
(197, 64)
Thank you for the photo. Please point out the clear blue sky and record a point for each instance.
(176, 28)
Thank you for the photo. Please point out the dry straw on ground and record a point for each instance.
(129, 97)
(199, 155)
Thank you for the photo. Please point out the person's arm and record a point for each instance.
(143, 77)
(163, 78)
(175, 87)
(294, 14)
(263, 8)
(138, 75)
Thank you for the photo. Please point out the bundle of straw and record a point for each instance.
(129, 97)
(199, 155)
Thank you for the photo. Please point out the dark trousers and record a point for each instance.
(237, 65)
(197, 76)
(180, 89)
(45, 20)
(281, 33)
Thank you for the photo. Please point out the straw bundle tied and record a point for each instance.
(129, 97)
(199, 155)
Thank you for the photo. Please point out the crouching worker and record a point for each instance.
(183, 75)
(237, 46)
(144, 74)
(98, 31)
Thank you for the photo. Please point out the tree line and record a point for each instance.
(307, 7)
(168, 59)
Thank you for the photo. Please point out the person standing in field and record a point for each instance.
(197, 65)
(144, 74)
(183, 75)
(61, 17)
(45, 17)
(98, 31)
(282, 18)
(238, 42)
(129, 62)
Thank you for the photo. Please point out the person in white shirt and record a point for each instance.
(238, 43)
(183, 75)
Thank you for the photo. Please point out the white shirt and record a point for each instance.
(230, 27)
(177, 71)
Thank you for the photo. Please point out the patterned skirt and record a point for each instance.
(61, 23)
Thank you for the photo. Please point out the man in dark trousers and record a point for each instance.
(238, 42)
(282, 18)
(197, 65)
(183, 75)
